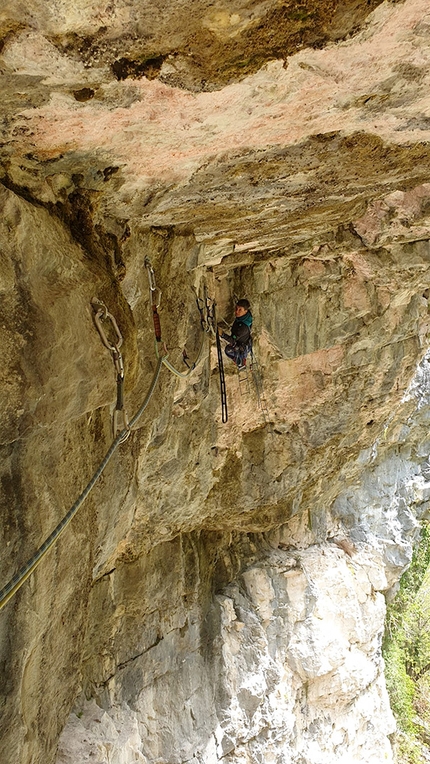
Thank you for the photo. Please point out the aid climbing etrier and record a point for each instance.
(224, 410)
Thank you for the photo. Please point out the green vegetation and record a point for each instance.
(406, 650)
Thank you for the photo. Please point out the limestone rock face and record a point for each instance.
(293, 676)
(219, 596)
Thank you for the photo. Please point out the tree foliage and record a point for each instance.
(406, 649)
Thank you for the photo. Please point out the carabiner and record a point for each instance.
(155, 301)
(103, 314)
(151, 274)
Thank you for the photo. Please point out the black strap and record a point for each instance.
(119, 392)
(222, 380)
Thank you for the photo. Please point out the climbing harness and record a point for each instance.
(102, 314)
(155, 298)
(25, 571)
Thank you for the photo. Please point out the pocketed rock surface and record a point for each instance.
(220, 595)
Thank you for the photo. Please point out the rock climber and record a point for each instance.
(239, 341)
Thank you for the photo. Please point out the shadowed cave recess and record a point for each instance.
(220, 594)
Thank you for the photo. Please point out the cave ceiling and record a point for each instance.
(257, 125)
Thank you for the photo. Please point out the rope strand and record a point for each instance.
(26, 570)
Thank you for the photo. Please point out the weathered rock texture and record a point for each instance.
(220, 595)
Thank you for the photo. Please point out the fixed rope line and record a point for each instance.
(149, 394)
(25, 571)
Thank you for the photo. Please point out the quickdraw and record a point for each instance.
(120, 421)
(210, 313)
(155, 298)
(200, 307)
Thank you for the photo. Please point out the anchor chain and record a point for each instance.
(120, 420)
